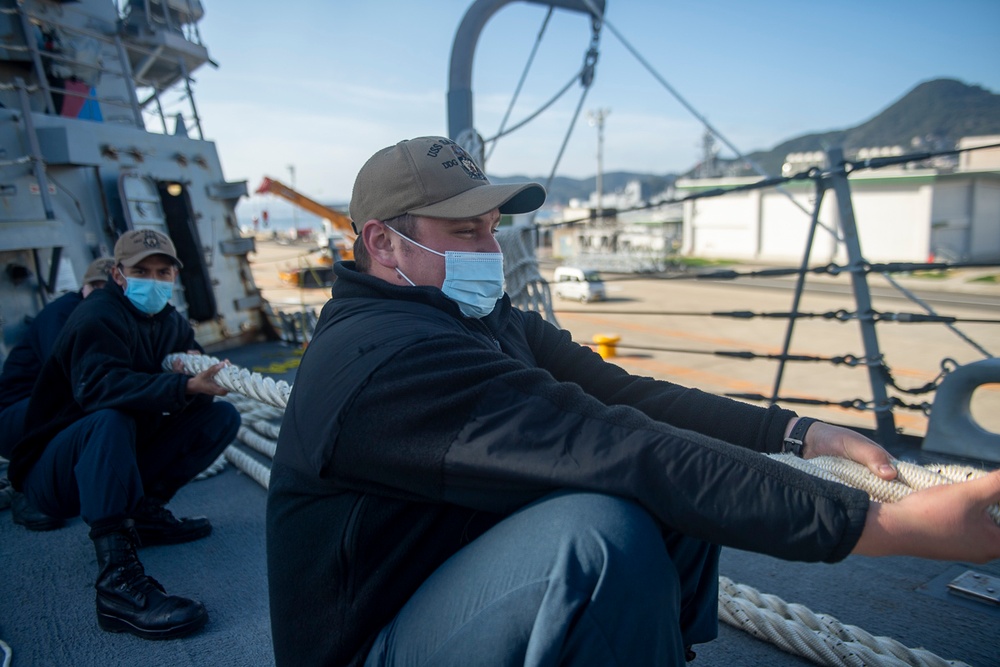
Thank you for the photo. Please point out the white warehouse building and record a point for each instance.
(902, 215)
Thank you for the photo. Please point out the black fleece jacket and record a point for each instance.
(411, 429)
(108, 355)
(21, 368)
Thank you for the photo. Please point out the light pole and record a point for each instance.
(596, 118)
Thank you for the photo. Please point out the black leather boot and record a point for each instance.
(27, 515)
(155, 524)
(129, 600)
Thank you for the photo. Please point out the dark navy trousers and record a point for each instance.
(12, 425)
(102, 465)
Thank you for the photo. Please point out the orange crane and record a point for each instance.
(336, 219)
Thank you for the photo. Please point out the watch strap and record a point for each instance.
(795, 443)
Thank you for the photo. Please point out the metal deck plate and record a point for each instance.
(978, 586)
(941, 587)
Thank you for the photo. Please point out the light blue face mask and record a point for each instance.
(149, 296)
(473, 280)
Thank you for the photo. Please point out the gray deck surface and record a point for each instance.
(47, 597)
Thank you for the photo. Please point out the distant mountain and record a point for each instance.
(933, 116)
(563, 188)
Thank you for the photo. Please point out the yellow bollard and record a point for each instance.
(606, 344)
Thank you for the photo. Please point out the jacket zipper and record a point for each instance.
(489, 332)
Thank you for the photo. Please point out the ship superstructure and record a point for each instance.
(88, 149)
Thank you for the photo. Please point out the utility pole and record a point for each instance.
(708, 156)
(596, 118)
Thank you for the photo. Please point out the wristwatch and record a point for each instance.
(796, 440)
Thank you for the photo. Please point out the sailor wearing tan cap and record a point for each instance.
(111, 437)
(457, 482)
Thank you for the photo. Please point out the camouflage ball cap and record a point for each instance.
(99, 270)
(136, 245)
(436, 178)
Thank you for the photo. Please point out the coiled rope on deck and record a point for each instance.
(817, 637)
(791, 627)
(259, 400)
(7, 653)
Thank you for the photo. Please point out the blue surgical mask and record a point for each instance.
(473, 280)
(149, 296)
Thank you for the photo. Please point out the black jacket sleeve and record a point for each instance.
(103, 369)
(452, 420)
(719, 417)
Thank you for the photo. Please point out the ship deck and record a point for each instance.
(47, 597)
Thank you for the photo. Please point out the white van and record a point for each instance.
(576, 284)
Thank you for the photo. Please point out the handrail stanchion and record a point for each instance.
(885, 427)
(800, 282)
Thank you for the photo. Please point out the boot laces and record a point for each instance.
(133, 574)
(134, 578)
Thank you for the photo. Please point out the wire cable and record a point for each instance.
(520, 83)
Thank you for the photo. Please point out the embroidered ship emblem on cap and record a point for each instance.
(150, 239)
(468, 164)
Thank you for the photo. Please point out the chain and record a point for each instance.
(947, 366)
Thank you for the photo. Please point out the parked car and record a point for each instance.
(578, 284)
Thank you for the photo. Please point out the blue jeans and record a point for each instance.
(102, 465)
(572, 579)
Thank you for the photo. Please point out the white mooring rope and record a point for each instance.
(817, 637)
(234, 378)
(792, 627)
(911, 477)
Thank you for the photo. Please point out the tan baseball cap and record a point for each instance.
(433, 177)
(99, 269)
(136, 245)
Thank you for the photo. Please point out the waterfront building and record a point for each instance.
(930, 211)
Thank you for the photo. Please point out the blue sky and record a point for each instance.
(323, 85)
